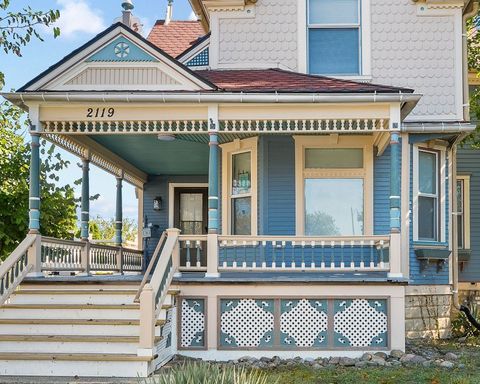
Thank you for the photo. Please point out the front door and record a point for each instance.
(191, 217)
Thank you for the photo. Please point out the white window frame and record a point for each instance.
(365, 54)
(441, 186)
(366, 173)
(228, 151)
(465, 216)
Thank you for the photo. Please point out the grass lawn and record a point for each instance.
(470, 374)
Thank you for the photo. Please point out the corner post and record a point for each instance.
(118, 214)
(147, 321)
(85, 200)
(213, 177)
(395, 191)
(34, 198)
(34, 257)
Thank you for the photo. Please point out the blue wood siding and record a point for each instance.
(158, 186)
(381, 194)
(277, 185)
(468, 163)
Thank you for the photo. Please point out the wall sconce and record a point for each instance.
(157, 203)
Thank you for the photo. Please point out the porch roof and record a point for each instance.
(282, 81)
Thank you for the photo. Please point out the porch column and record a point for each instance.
(85, 214)
(34, 198)
(118, 214)
(212, 238)
(395, 191)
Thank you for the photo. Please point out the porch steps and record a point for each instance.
(88, 329)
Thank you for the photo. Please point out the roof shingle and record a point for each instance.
(277, 80)
(175, 37)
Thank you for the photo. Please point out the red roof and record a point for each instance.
(277, 80)
(176, 36)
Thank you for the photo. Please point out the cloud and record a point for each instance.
(192, 16)
(77, 16)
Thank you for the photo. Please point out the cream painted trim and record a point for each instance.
(469, 286)
(406, 212)
(466, 208)
(442, 191)
(365, 41)
(228, 150)
(459, 65)
(171, 197)
(140, 212)
(303, 142)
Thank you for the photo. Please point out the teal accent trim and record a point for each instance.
(430, 243)
(199, 60)
(121, 49)
(34, 201)
(118, 214)
(432, 254)
(424, 137)
(213, 178)
(85, 200)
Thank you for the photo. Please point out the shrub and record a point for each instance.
(208, 373)
(461, 326)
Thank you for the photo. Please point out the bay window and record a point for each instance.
(334, 37)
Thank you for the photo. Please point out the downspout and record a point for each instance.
(466, 95)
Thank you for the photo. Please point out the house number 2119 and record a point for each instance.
(100, 112)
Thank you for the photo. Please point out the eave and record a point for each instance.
(201, 8)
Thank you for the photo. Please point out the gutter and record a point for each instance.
(409, 100)
(433, 127)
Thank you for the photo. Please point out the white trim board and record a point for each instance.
(171, 197)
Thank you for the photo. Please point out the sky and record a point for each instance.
(80, 20)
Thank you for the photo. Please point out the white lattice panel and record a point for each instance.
(193, 323)
(360, 322)
(304, 323)
(247, 322)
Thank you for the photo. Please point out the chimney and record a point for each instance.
(169, 14)
(127, 6)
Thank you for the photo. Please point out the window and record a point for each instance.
(334, 186)
(334, 36)
(239, 160)
(429, 194)
(463, 212)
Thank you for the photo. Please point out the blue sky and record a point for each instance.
(81, 20)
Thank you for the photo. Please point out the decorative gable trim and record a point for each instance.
(101, 49)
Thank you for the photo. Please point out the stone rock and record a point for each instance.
(427, 364)
(347, 362)
(378, 360)
(447, 364)
(245, 359)
(383, 355)
(412, 359)
(451, 356)
(334, 361)
(317, 366)
(361, 364)
(366, 357)
(462, 339)
(265, 359)
(397, 354)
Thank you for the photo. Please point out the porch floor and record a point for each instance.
(236, 277)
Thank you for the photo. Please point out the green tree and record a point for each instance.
(58, 207)
(321, 224)
(473, 42)
(104, 229)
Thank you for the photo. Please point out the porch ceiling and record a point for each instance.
(155, 157)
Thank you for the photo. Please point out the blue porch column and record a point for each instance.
(118, 214)
(213, 180)
(395, 187)
(85, 200)
(213, 225)
(34, 198)
(395, 252)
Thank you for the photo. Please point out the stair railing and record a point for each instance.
(151, 264)
(16, 266)
(154, 293)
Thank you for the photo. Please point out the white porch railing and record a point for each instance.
(291, 253)
(193, 253)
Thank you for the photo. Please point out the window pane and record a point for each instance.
(334, 51)
(427, 218)
(333, 11)
(241, 179)
(460, 216)
(428, 172)
(333, 158)
(333, 207)
(242, 214)
(191, 213)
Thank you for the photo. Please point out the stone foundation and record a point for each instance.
(427, 312)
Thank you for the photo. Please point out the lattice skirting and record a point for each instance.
(289, 323)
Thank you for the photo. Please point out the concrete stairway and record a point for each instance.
(79, 329)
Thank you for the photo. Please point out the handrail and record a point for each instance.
(299, 239)
(154, 293)
(15, 268)
(150, 266)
